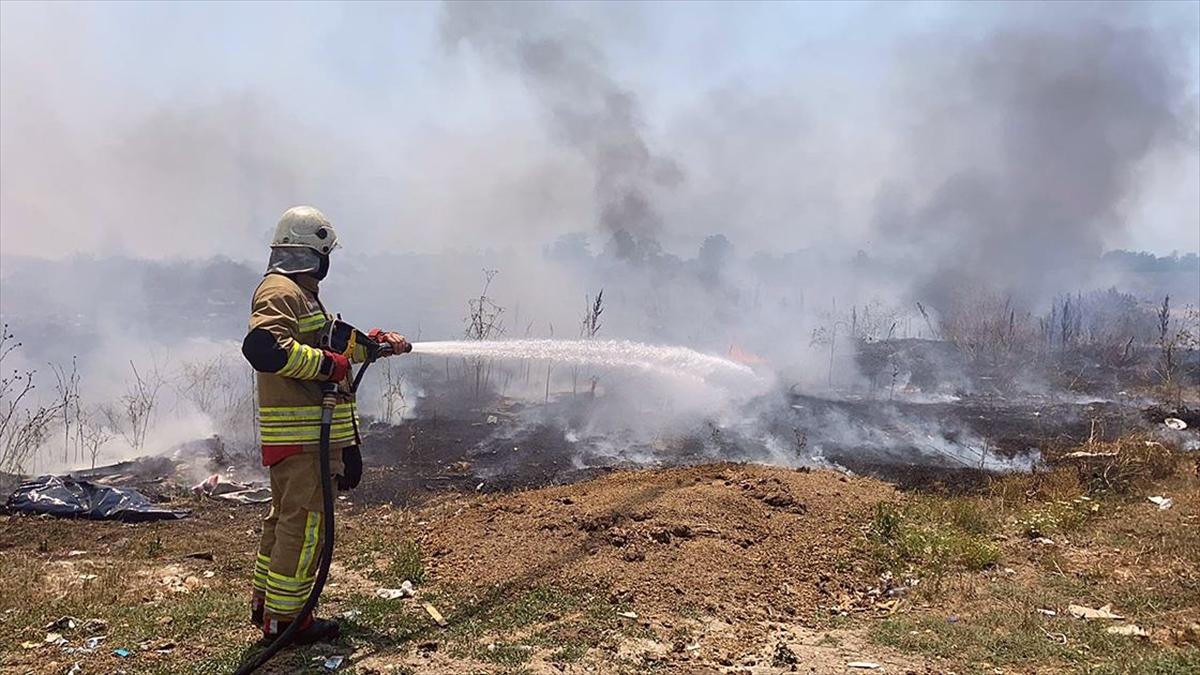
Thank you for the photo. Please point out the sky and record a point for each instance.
(164, 130)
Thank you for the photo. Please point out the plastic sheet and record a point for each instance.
(70, 498)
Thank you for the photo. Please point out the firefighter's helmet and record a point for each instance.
(304, 226)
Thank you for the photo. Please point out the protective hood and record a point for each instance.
(297, 260)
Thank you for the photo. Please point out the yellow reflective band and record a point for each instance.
(283, 607)
(312, 531)
(288, 412)
(304, 434)
(285, 581)
(274, 598)
(284, 424)
(262, 569)
(285, 593)
(304, 362)
(291, 425)
(276, 428)
(311, 322)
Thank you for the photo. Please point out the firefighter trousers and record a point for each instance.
(292, 535)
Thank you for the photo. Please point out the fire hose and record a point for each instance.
(330, 394)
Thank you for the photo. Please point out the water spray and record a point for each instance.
(671, 361)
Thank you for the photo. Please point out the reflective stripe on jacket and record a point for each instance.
(289, 400)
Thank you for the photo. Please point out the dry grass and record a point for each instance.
(1082, 533)
(1109, 545)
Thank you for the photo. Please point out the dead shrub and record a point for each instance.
(1059, 484)
(1137, 462)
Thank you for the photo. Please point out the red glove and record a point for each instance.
(335, 367)
(399, 344)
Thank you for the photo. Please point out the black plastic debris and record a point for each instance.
(70, 498)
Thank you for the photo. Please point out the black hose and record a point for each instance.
(310, 604)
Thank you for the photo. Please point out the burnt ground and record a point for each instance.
(507, 445)
(503, 445)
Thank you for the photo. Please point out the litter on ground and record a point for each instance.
(1163, 503)
(406, 590)
(1082, 612)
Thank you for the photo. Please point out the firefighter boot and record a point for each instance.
(313, 630)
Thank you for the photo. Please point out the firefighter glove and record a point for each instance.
(399, 344)
(334, 366)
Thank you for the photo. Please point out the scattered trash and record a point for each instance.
(350, 614)
(1044, 541)
(71, 498)
(406, 590)
(30, 645)
(952, 619)
(333, 662)
(61, 623)
(627, 615)
(208, 574)
(1175, 423)
(93, 642)
(122, 652)
(1047, 612)
(163, 648)
(87, 577)
(230, 491)
(434, 614)
(492, 419)
(1129, 630)
(1082, 612)
(76, 669)
(1163, 503)
(867, 665)
(207, 485)
(55, 639)
(479, 487)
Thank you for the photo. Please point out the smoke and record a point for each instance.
(1026, 146)
(585, 107)
(778, 182)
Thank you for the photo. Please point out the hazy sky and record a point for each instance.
(173, 129)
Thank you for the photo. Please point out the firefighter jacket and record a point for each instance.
(287, 322)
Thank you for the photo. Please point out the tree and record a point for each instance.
(24, 425)
(484, 322)
(714, 255)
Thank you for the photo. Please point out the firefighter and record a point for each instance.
(287, 322)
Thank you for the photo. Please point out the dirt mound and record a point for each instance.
(772, 541)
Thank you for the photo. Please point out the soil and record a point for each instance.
(775, 543)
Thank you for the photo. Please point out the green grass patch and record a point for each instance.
(386, 562)
(1057, 517)
(932, 536)
(407, 564)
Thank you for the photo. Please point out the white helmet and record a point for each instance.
(304, 226)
